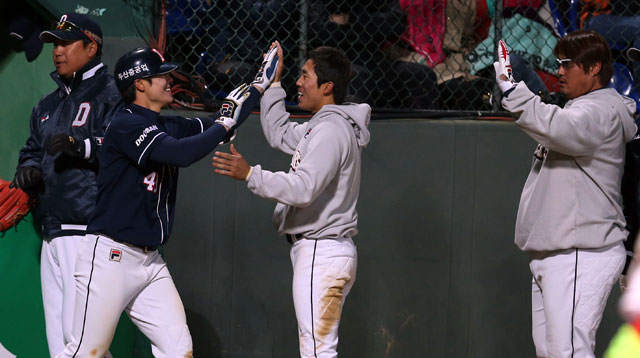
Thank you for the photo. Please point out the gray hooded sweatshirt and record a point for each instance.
(317, 197)
(571, 198)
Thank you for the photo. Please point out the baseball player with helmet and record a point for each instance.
(58, 164)
(119, 268)
(317, 197)
(570, 218)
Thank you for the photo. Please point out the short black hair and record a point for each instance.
(331, 65)
(586, 48)
(129, 94)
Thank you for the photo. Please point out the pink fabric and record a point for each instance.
(425, 28)
(534, 4)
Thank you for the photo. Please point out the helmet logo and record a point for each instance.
(159, 54)
(133, 71)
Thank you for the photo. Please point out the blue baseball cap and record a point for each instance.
(73, 27)
(25, 30)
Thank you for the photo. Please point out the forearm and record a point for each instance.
(281, 133)
(30, 154)
(564, 130)
(186, 151)
(295, 189)
(304, 183)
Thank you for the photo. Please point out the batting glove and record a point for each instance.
(267, 71)
(26, 178)
(231, 107)
(231, 135)
(66, 144)
(503, 68)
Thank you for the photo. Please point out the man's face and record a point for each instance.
(573, 81)
(309, 95)
(71, 56)
(159, 91)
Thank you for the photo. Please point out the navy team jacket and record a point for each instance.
(82, 109)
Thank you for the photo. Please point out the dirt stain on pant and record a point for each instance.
(330, 308)
(94, 352)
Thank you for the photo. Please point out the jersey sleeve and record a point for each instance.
(280, 132)
(112, 105)
(136, 137)
(302, 185)
(196, 125)
(32, 152)
(575, 131)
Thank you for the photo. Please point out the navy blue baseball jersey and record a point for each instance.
(136, 195)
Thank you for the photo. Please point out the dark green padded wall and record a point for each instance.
(119, 18)
(438, 272)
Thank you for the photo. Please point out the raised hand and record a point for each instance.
(266, 72)
(504, 73)
(230, 109)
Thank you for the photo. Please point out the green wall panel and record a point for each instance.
(119, 18)
(438, 272)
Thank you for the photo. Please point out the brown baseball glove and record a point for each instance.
(14, 204)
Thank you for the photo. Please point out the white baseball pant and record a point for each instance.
(112, 277)
(57, 265)
(569, 293)
(323, 273)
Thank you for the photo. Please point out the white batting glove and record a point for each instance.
(230, 109)
(503, 68)
(267, 71)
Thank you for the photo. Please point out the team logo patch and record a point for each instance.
(540, 152)
(44, 118)
(115, 255)
(307, 134)
(144, 134)
(227, 108)
(295, 160)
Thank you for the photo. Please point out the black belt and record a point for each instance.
(142, 247)
(291, 238)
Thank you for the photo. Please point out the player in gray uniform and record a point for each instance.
(570, 218)
(316, 199)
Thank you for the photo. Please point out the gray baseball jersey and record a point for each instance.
(317, 197)
(572, 196)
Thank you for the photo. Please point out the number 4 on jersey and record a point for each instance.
(151, 181)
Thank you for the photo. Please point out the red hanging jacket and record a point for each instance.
(425, 28)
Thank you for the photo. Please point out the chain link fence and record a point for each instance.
(406, 54)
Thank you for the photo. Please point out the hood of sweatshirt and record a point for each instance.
(624, 105)
(359, 115)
